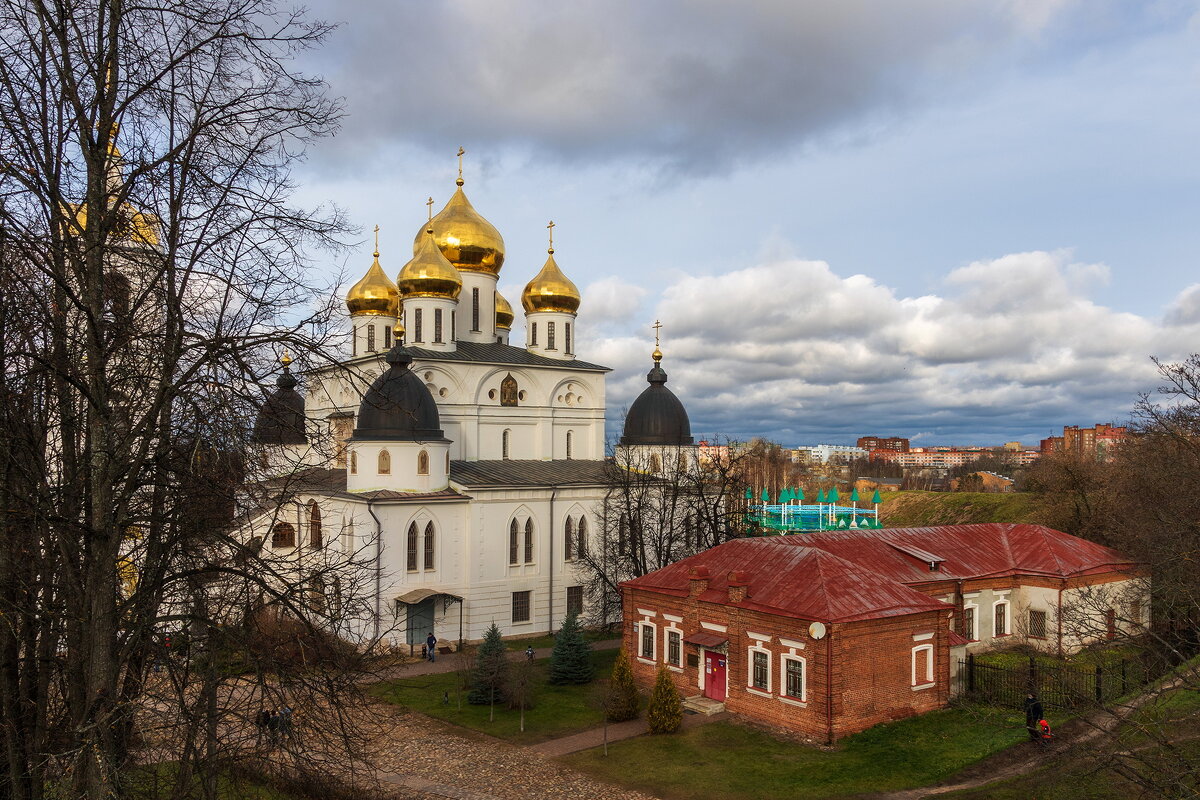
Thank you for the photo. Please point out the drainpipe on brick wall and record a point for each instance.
(960, 611)
(553, 492)
(829, 685)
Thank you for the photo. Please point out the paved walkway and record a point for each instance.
(451, 662)
(616, 732)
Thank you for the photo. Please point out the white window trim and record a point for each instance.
(750, 651)
(653, 643)
(973, 610)
(648, 614)
(920, 637)
(712, 626)
(791, 645)
(928, 679)
(783, 695)
(1007, 616)
(667, 648)
(759, 637)
(672, 618)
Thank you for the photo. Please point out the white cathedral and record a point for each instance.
(468, 473)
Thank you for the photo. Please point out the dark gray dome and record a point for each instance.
(657, 416)
(398, 406)
(281, 417)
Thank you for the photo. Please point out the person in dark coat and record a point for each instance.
(431, 647)
(1034, 713)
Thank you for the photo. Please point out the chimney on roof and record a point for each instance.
(738, 583)
(697, 580)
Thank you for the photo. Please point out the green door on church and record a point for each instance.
(420, 621)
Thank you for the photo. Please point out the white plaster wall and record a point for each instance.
(543, 319)
(403, 476)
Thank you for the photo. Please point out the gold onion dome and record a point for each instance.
(374, 294)
(550, 290)
(466, 239)
(504, 313)
(429, 274)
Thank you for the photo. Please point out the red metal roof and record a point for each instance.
(968, 551)
(956, 639)
(840, 576)
(801, 582)
(706, 639)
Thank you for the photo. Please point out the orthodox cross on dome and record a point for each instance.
(550, 228)
(377, 241)
(429, 202)
(461, 153)
(657, 354)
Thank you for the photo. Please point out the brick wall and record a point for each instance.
(870, 662)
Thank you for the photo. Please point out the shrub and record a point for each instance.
(665, 712)
(623, 697)
(571, 661)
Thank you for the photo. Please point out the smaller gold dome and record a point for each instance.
(374, 294)
(464, 237)
(429, 274)
(550, 290)
(504, 313)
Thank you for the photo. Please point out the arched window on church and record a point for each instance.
(569, 540)
(429, 545)
(353, 462)
(283, 535)
(504, 443)
(447, 462)
(622, 533)
(570, 436)
(581, 538)
(683, 464)
(512, 542)
(423, 463)
(529, 541)
(385, 462)
(316, 539)
(655, 463)
(411, 564)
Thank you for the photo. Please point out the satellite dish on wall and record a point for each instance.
(817, 630)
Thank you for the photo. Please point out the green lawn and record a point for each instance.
(917, 508)
(157, 781)
(558, 710)
(725, 760)
(547, 640)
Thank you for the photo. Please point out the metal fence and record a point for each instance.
(1058, 686)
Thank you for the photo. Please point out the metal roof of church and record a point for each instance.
(515, 472)
(496, 353)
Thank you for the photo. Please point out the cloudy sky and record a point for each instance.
(963, 221)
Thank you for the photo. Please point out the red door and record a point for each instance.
(714, 676)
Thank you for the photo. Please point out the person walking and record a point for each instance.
(529, 653)
(1034, 713)
(431, 647)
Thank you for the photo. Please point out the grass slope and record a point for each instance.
(724, 760)
(558, 710)
(916, 509)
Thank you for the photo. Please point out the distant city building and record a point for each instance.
(897, 443)
(828, 454)
(1098, 442)
(1052, 444)
(708, 453)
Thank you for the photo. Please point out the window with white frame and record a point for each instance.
(1037, 623)
(648, 633)
(674, 648)
(793, 678)
(760, 670)
(970, 622)
(1000, 618)
(922, 665)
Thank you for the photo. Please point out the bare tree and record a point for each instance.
(153, 269)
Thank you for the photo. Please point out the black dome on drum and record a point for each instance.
(280, 420)
(398, 407)
(657, 416)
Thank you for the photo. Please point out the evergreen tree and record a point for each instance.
(623, 698)
(571, 661)
(490, 675)
(665, 712)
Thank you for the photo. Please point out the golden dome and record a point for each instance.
(429, 274)
(550, 290)
(465, 238)
(504, 313)
(374, 294)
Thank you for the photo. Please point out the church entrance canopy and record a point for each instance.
(420, 606)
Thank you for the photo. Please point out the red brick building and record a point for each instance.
(895, 443)
(830, 633)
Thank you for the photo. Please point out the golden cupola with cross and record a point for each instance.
(550, 301)
(429, 273)
(374, 305)
(465, 238)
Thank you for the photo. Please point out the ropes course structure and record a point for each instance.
(789, 513)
